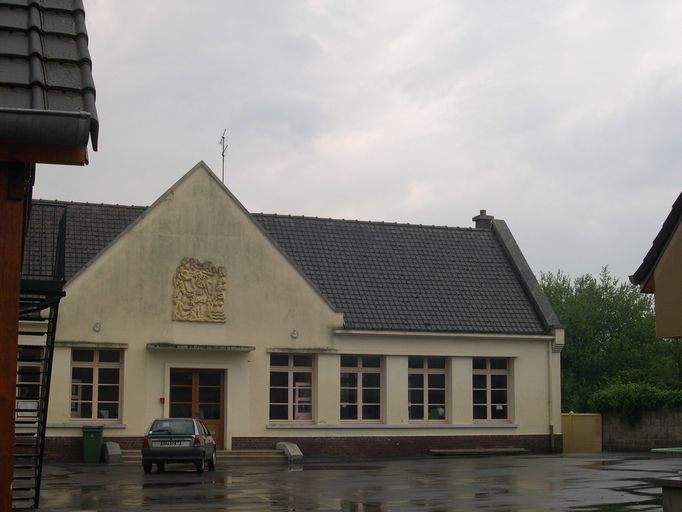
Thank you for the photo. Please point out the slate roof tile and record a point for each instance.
(382, 276)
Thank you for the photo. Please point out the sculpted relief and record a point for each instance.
(199, 292)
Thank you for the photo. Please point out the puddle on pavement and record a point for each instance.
(345, 467)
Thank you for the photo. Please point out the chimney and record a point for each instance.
(483, 221)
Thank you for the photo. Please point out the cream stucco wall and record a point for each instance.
(668, 295)
(127, 290)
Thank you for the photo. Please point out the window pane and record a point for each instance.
(416, 396)
(83, 375)
(437, 381)
(480, 412)
(371, 362)
(209, 394)
(498, 381)
(437, 362)
(437, 412)
(415, 362)
(479, 381)
(279, 395)
(107, 393)
(499, 412)
(85, 392)
(279, 379)
(437, 396)
(349, 396)
(303, 361)
(349, 361)
(81, 409)
(109, 356)
(278, 412)
(108, 376)
(279, 360)
(349, 380)
(209, 411)
(416, 412)
(29, 373)
(479, 364)
(415, 380)
(498, 364)
(480, 397)
(498, 396)
(181, 377)
(27, 354)
(349, 412)
(371, 396)
(107, 411)
(180, 410)
(371, 412)
(209, 378)
(180, 394)
(303, 377)
(371, 380)
(83, 355)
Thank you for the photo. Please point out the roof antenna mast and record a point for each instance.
(223, 145)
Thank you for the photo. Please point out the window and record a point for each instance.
(95, 384)
(29, 374)
(490, 389)
(426, 388)
(361, 388)
(291, 387)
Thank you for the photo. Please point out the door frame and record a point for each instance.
(197, 366)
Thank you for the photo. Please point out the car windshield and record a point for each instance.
(173, 426)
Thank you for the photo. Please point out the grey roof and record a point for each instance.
(644, 273)
(47, 93)
(382, 276)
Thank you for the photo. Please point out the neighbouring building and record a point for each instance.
(346, 337)
(661, 274)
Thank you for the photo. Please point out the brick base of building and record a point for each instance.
(70, 449)
(400, 445)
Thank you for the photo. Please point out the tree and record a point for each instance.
(610, 337)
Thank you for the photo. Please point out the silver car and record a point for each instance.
(178, 440)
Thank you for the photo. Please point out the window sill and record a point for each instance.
(88, 424)
(382, 426)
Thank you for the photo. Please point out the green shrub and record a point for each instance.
(629, 401)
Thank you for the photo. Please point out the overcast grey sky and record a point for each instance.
(563, 118)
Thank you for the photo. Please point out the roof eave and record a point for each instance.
(45, 128)
(643, 276)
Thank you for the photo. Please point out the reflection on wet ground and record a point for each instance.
(502, 484)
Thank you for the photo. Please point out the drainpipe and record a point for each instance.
(552, 447)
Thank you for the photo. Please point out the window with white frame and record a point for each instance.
(96, 384)
(426, 388)
(360, 388)
(491, 389)
(291, 387)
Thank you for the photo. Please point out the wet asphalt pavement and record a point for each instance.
(599, 482)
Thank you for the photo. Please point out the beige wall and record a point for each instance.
(128, 291)
(668, 282)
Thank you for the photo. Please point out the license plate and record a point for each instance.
(169, 443)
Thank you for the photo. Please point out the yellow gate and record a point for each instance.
(582, 432)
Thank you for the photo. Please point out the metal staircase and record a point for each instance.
(41, 290)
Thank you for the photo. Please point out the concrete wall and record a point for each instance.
(668, 282)
(657, 429)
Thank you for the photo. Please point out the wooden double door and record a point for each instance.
(199, 393)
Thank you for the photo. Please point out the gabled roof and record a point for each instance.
(47, 93)
(382, 276)
(643, 276)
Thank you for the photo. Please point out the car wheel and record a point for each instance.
(147, 466)
(212, 462)
(200, 466)
(161, 467)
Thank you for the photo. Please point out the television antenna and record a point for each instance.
(223, 145)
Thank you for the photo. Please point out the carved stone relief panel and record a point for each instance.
(199, 292)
